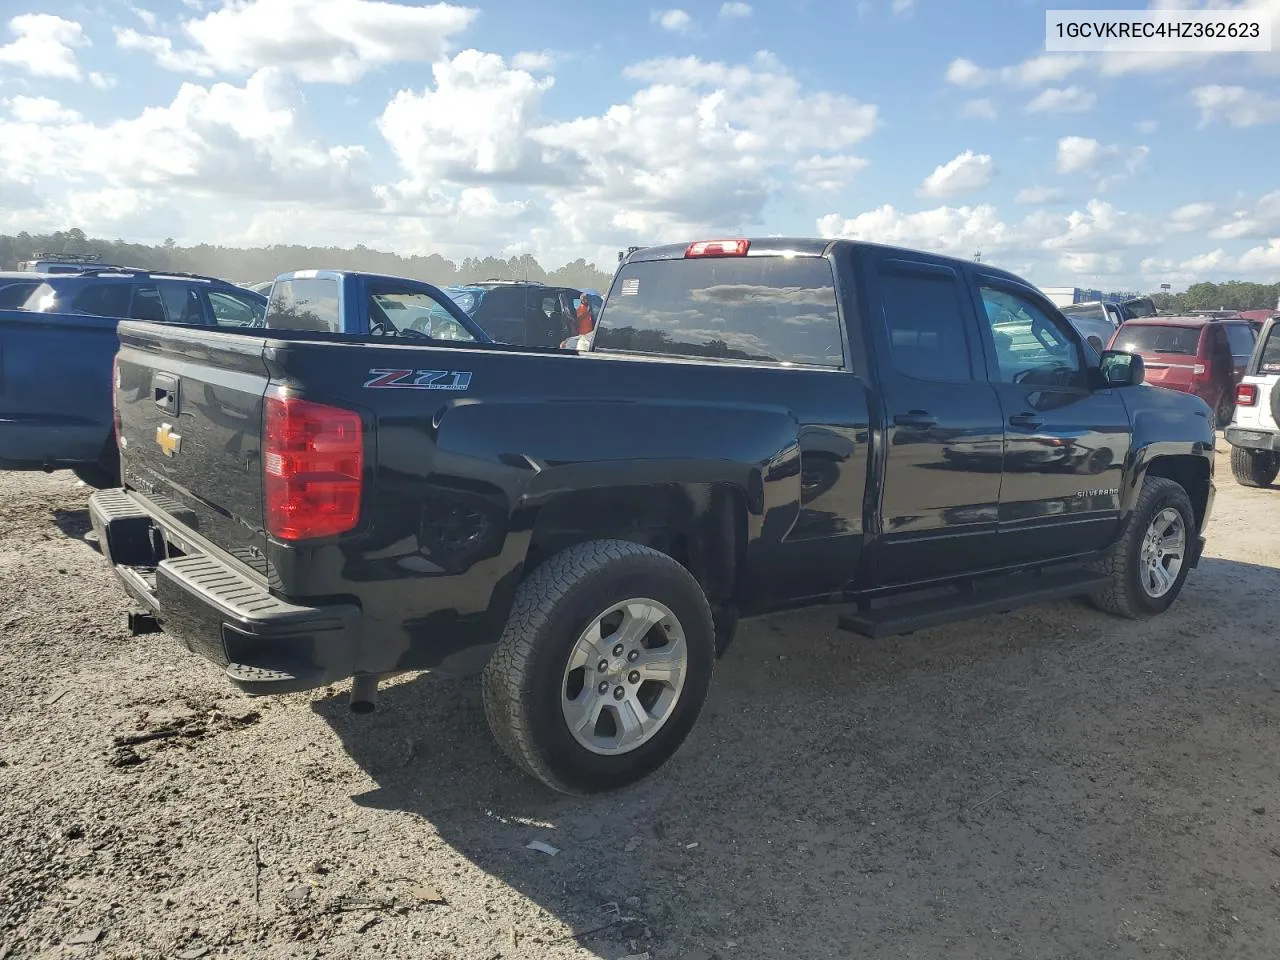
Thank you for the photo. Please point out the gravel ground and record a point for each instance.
(1051, 783)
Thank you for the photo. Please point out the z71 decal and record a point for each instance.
(418, 380)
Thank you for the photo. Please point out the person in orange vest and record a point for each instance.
(586, 322)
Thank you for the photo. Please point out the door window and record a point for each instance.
(232, 310)
(181, 302)
(1031, 347)
(147, 304)
(408, 313)
(103, 300)
(925, 323)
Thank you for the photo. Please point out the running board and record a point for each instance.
(1001, 597)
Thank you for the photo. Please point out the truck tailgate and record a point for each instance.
(190, 406)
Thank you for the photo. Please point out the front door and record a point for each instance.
(943, 433)
(1065, 441)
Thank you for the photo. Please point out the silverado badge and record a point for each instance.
(170, 442)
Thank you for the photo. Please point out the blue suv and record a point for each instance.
(141, 295)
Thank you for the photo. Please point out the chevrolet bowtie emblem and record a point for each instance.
(169, 441)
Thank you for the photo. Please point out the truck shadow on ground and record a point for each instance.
(991, 783)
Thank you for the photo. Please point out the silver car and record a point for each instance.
(1096, 321)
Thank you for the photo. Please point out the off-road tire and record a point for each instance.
(1125, 597)
(521, 685)
(1254, 468)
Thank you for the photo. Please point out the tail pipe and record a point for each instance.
(364, 693)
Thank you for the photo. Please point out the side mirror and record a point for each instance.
(1121, 369)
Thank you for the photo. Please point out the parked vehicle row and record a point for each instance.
(56, 355)
(774, 423)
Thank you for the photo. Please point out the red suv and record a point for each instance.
(1205, 356)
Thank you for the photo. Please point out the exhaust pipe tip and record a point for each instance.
(364, 693)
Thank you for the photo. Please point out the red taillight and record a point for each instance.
(718, 248)
(313, 466)
(115, 397)
(1246, 394)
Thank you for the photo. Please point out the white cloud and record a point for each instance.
(102, 81)
(735, 9)
(900, 7)
(40, 110)
(1191, 217)
(149, 19)
(472, 126)
(1146, 127)
(819, 174)
(703, 146)
(1045, 68)
(1262, 259)
(319, 41)
(1071, 99)
(1036, 195)
(1236, 106)
(980, 109)
(1099, 228)
(965, 173)
(534, 61)
(673, 21)
(44, 45)
(1262, 220)
(1078, 153)
(949, 230)
(161, 49)
(222, 140)
(966, 73)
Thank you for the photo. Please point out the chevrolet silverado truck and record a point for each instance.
(758, 425)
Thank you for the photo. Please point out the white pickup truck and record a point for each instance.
(1254, 432)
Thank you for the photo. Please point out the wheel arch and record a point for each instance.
(1192, 472)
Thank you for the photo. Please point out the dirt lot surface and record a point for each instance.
(1051, 783)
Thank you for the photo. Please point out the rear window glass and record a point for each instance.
(307, 303)
(1269, 361)
(14, 295)
(775, 309)
(1241, 337)
(1153, 338)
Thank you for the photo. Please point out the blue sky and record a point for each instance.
(574, 129)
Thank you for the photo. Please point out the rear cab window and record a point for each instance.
(1146, 338)
(769, 309)
(305, 303)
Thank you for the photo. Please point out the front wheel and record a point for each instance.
(1254, 468)
(1149, 564)
(602, 668)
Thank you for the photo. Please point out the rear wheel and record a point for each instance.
(1150, 562)
(1225, 410)
(602, 668)
(1254, 468)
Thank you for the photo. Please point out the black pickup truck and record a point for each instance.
(758, 425)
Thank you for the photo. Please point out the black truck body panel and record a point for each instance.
(778, 485)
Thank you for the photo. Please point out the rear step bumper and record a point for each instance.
(264, 644)
(1252, 438)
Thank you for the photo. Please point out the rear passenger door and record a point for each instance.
(943, 430)
(1065, 439)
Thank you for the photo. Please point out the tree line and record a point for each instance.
(1232, 295)
(248, 265)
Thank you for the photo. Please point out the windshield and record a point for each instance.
(1142, 307)
(775, 309)
(1153, 338)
